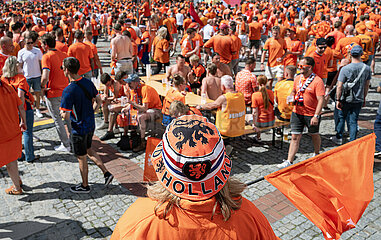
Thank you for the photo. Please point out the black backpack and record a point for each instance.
(129, 142)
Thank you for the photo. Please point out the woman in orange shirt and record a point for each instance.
(262, 103)
(10, 138)
(161, 48)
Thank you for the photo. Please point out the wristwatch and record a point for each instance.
(317, 116)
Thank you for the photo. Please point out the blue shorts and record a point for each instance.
(166, 120)
(34, 83)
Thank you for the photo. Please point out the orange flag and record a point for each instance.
(149, 171)
(332, 189)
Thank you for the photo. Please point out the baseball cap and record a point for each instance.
(132, 78)
(357, 51)
(224, 26)
(190, 161)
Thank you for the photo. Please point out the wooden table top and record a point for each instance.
(191, 99)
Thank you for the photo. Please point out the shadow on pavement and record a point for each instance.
(43, 226)
(61, 190)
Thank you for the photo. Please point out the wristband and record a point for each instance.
(317, 116)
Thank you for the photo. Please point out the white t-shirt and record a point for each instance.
(30, 60)
(179, 19)
(208, 31)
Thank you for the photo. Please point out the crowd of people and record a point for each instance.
(313, 54)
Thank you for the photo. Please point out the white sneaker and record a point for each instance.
(336, 140)
(39, 114)
(285, 164)
(62, 148)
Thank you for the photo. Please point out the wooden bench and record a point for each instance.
(278, 124)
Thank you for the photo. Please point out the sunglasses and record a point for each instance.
(29, 43)
(300, 66)
(324, 47)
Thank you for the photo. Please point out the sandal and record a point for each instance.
(12, 191)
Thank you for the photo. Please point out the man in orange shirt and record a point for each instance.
(84, 54)
(95, 27)
(60, 45)
(146, 101)
(337, 34)
(255, 29)
(53, 82)
(7, 49)
(277, 49)
(322, 59)
(97, 63)
(221, 44)
(237, 48)
(345, 44)
(294, 47)
(308, 97)
(184, 163)
(370, 25)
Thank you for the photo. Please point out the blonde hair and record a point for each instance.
(10, 67)
(177, 109)
(162, 33)
(194, 58)
(229, 198)
(262, 80)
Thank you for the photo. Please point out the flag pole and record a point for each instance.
(255, 181)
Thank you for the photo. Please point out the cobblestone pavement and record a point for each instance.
(48, 210)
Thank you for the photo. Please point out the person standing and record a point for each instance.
(221, 44)
(246, 81)
(30, 60)
(10, 138)
(353, 78)
(377, 127)
(77, 105)
(179, 206)
(308, 97)
(122, 51)
(277, 49)
(255, 29)
(53, 82)
(84, 54)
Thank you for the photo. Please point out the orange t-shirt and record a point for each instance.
(375, 39)
(172, 95)
(192, 219)
(293, 46)
(337, 35)
(264, 115)
(10, 137)
(223, 45)
(276, 49)
(314, 89)
(301, 34)
(95, 52)
(159, 46)
(60, 46)
(3, 58)
(83, 53)
(343, 47)
(321, 63)
(255, 29)
(52, 60)
(146, 94)
(237, 43)
(94, 27)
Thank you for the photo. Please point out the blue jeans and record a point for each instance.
(377, 131)
(350, 113)
(94, 40)
(28, 136)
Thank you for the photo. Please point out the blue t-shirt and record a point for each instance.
(81, 108)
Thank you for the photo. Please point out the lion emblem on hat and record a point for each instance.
(189, 131)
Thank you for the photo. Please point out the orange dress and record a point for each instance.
(10, 137)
